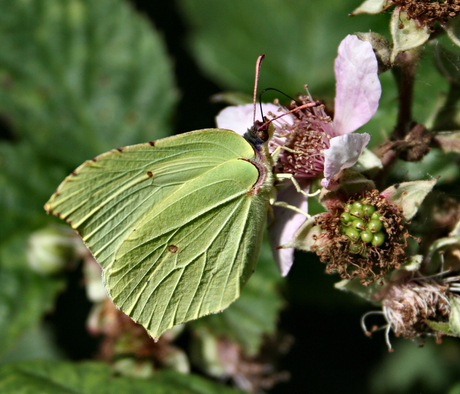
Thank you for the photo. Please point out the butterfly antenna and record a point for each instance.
(276, 90)
(279, 91)
(256, 82)
(299, 107)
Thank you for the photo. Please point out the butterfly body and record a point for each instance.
(176, 225)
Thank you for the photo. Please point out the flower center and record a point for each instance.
(306, 139)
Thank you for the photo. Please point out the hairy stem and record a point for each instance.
(404, 75)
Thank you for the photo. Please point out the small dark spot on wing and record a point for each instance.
(149, 174)
(173, 248)
(152, 143)
(120, 149)
(94, 158)
(73, 173)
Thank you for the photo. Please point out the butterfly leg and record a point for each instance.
(275, 154)
(289, 206)
(281, 177)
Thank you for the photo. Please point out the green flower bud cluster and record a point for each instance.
(361, 223)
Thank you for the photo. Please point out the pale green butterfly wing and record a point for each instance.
(176, 225)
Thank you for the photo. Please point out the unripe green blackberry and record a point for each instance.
(355, 238)
(346, 218)
(361, 223)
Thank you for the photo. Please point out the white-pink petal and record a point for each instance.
(358, 88)
(285, 224)
(343, 152)
(239, 118)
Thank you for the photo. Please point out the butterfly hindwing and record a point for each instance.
(190, 260)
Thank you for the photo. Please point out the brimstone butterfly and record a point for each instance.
(176, 224)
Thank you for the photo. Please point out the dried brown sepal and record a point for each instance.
(415, 145)
(374, 262)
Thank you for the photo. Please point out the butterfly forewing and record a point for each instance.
(106, 197)
(176, 225)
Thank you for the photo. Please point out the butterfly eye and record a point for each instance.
(262, 131)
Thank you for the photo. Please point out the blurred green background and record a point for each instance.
(78, 78)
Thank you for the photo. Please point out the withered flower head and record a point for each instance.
(411, 301)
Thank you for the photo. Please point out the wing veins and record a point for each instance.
(197, 215)
(148, 272)
(102, 201)
(206, 250)
(236, 251)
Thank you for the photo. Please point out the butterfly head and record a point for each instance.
(259, 133)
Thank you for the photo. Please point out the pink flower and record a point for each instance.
(321, 145)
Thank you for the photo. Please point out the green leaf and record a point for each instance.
(255, 313)
(448, 141)
(447, 62)
(368, 163)
(354, 286)
(52, 377)
(443, 328)
(372, 7)
(25, 296)
(306, 236)
(411, 366)
(409, 195)
(36, 343)
(455, 389)
(435, 163)
(351, 182)
(456, 231)
(79, 77)
(296, 37)
(441, 244)
(453, 30)
(454, 318)
(25, 183)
